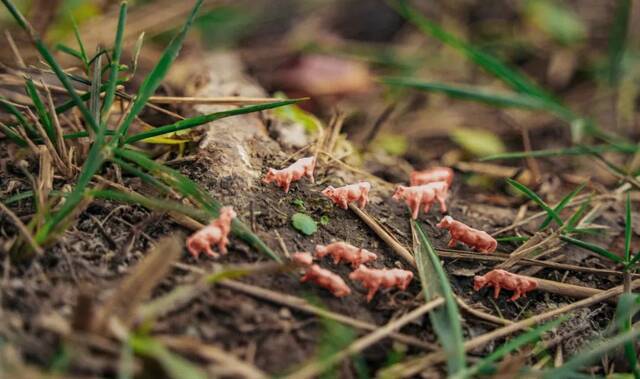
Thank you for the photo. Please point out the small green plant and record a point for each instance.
(304, 224)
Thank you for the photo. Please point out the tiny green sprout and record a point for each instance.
(299, 203)
(324, 220)
(304, 224)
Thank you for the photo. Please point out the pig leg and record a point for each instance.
(414, 205)
(452, 242)
(516, 295)
(443, 205)
(362, 201)
(372, 292)
(496, 290)
(210, 251)
(426, 208)
(287, 182)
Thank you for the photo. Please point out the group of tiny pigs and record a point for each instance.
(426, 188)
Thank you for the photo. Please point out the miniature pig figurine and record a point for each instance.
(215, 233)
(283, 178)
(326, 279)
(343, 251)
(302, 258)
(474, 238)
(436, 174)
(372, 279)
(423, 195)
(504, 279)
(342, 196)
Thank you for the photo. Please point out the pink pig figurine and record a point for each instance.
(504, 279)
(474, 238)
(435, 174)
(373, 279)
(283, 178)
(343, 251)
(423, 196)
(326, 279)
(215, 233)
(302, 258)
(342, 196)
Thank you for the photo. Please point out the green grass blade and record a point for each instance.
(174, 365)
(506, 348)
(576, 150)
(41, 110)
(155, 77)
(594, 248)
(189, 188)
(445, 320)
(627, 230)
(12, 135)
(200, 120)
(561, 205)
(149, 202)
(110, 92)
(533, 196)
(48, 57)
(149, 179)
(575, 218)
(83, 52)
(496, 98)
(628, 306)
(595, 351)
(618, 39)
(10, 108)
(69, 50)
(488, 62)
(512, 239)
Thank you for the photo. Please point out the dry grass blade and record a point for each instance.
(416, 365)
(137, 286)
(317, 367)
(225, 100)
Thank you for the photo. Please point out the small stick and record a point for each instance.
(283, 246)
(482, 315)
(318, 366)
(223, 100)
(14, 49)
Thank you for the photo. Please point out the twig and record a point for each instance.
(223, 100)
(319, 366)
(14, 49)
(482, 315)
